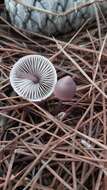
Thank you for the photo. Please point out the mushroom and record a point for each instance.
(65, 89)
(33, 77)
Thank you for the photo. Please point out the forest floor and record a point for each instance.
(55, 145)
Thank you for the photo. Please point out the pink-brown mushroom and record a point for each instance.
(65, 89)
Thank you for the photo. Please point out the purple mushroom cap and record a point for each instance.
(65, 89)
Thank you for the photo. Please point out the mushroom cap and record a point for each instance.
(65, 89)
(33, 77)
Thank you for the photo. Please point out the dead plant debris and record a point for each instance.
(55, 145)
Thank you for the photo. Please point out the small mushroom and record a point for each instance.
(33, 77)
(65, 89)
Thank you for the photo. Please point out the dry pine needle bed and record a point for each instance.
(55, 145)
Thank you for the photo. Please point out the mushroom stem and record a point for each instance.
(35, 79)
